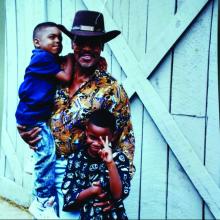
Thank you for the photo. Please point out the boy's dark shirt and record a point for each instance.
(37, 91)
(81, 171)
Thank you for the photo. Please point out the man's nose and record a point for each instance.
(86, 47)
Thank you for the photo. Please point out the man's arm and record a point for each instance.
(31, 137)
(120, 107)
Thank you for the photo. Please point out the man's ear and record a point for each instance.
(36, 43)
(86, 130)
(114, 137)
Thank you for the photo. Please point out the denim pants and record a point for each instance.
(44, 163)
(59, 175)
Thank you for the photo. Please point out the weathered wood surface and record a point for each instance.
(175, 111)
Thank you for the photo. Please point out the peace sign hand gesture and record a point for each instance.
(106, 152)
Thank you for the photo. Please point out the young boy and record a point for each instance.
(36, 95)
(95, 168)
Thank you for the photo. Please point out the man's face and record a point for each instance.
(87, 51)
(49, 39)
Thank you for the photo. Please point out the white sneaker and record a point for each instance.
(45, 209)
(36, 209)
(50, 210)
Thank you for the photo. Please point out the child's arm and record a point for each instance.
(115, 180)
(66, 74)
(88, 193)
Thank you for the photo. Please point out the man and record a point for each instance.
(91, 88)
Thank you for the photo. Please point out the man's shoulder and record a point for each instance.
(108, 79)
(119, 155)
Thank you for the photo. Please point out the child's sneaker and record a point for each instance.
(50, 209)
(43, 208)
(36, 209)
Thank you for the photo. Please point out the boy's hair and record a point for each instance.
(103, 118)
(41, 26)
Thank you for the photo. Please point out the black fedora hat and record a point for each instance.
(89, 24)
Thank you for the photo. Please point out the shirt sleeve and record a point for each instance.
(71, 186)
(122, 164)
(43, 63)
(117, 101)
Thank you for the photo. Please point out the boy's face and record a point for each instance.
(93, 134)
(49, 39)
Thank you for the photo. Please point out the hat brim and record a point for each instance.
(103, 36)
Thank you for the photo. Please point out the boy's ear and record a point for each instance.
(36, 42)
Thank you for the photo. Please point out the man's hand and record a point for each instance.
(96, 188)
(31, 137)
(106, 204)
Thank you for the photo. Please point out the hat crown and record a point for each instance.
(88, 21)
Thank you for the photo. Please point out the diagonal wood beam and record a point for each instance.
(180, 22)
(184, 152)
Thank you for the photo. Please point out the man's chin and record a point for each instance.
(88, 66)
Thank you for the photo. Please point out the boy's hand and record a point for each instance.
(106, 152)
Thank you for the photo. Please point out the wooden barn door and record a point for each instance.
(166, 59)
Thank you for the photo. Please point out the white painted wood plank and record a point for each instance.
(154, 165)
(190, 204)
(17, 193)
(137, 27)
(213, 131)
(133, 200)
(15, 166)
(53, 11)
(23, 60)
(68, 10)
(190, 68)
(153, 177)
(11, 85)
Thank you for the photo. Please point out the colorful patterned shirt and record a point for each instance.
(71, 113)
(81, 171)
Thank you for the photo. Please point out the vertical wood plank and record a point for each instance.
(53, 11)
(68, 11)
(212, 120)
(190, 65)
(188, 101)
(106, 53)
(3, 71)
(155, 148)
(183, 199)
(11, 85)
(137, 27)
(132, 203)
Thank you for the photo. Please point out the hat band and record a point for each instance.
(85, 28)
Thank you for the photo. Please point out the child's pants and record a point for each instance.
(44, 167)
